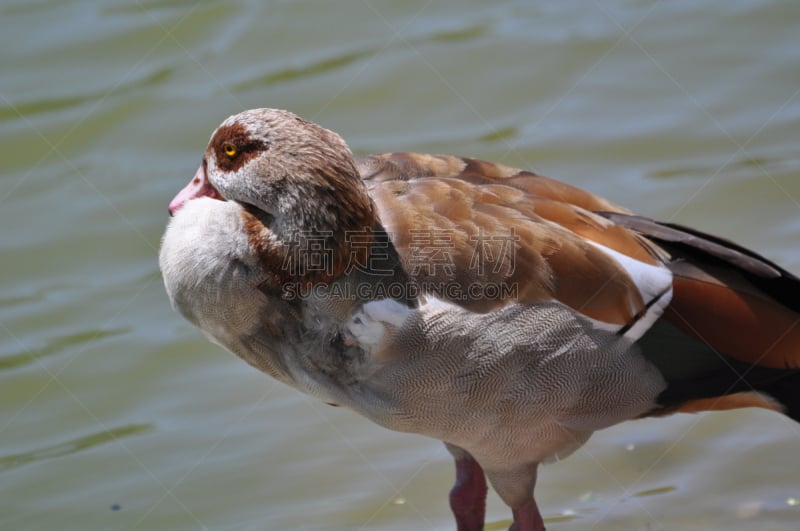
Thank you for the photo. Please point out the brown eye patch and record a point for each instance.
(234, 146)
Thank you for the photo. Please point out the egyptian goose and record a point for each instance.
(505, 313)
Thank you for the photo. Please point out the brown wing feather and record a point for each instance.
(730, 315)
(477, 210)
(407, 166)
(721, 403)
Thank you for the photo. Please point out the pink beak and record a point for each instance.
(199, 186)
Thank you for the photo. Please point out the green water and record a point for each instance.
(116, 414)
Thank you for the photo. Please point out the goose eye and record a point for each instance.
(230, 150)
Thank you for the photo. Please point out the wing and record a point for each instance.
(480, 235)
(726, 296)
(731, 318)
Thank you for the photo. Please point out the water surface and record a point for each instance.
(116, 414)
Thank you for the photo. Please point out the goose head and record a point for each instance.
(295, 178)
(292, 170)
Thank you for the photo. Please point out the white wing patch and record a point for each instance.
(434, 305)
(654, 284)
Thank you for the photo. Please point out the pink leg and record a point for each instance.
(468, 496)
(527, 518)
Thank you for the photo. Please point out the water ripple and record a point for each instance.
(55, 346)
(11, 461)
(30, 108)
(292, 73)
(655, 491)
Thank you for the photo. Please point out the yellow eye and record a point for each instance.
(229, 149)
